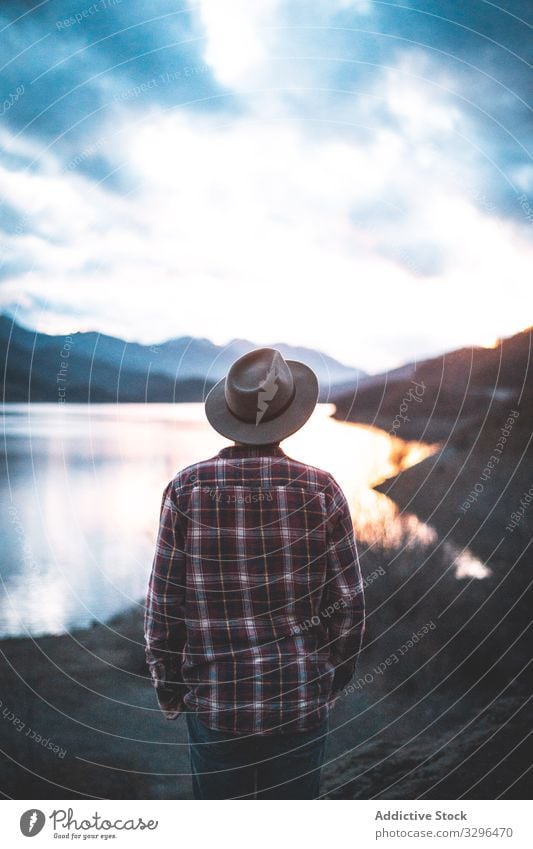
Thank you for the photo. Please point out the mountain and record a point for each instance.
(93, 367)
(476, 406)
(445, 396)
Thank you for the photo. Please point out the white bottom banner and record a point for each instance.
(232, 824)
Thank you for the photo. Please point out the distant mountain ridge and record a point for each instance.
(457, 391)
(94, 367)
(475, 405)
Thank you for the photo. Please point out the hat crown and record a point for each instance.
(259, 386)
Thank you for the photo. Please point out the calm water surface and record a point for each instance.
(82, 489)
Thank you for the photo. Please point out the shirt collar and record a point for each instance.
(234, 451)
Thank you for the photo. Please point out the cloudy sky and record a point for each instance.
(350, 175)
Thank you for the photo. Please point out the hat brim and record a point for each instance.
(304, 402)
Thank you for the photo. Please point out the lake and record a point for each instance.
(82, 489)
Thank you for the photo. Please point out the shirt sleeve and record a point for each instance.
(164, 619)
(344, 601)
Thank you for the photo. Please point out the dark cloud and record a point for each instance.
(75, 71)
(77, 74)
(482, 50)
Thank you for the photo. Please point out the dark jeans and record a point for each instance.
(271, 766)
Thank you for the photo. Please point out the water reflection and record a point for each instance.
(360, 457)
(82, 493)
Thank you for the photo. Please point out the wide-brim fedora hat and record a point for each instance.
(263, 398)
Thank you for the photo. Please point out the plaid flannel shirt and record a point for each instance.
(255, 609)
